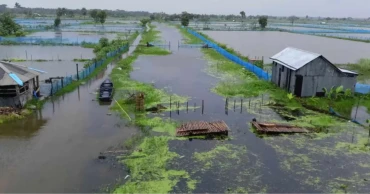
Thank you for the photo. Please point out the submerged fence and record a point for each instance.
(48, 89)
(256, 70)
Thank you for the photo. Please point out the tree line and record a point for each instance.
(18, 9)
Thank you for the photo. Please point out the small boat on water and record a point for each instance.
(106, 91)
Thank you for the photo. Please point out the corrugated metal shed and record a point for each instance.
(347, 71)
(294, 58)
(23, 73)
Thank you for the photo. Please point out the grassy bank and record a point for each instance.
(148, 163)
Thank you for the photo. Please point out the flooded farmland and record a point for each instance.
(45, 52)
(267, 44)
(56, 149)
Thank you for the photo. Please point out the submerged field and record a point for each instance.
(246, 161)
(143, 154)
(267, 44)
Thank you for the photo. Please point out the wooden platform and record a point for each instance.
(278, 128)
(202, 128)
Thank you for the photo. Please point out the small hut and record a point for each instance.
(306, 74)
(17, 84)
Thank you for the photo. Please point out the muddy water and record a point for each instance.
(268, 44)
(184, 73)
(54, 68)
(56, 149)
(45, 52)
(74, 36)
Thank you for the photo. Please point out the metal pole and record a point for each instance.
(241, 105)
(78, 77)
(202, 106)
(358, 103)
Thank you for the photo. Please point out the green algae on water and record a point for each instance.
(148, 168)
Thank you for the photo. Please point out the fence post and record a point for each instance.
(78, 77)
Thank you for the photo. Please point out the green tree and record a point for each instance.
(144, 21)
(263, 21)
(242, 14)
(152, 17)
(17, 5)
(84, 12)
(292, 19)
(185, 19)
(94, 15)
(59, 12)
(102, 16)
(57, 22)
(8, 26)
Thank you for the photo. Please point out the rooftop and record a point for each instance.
(295, 59)
(12, 74)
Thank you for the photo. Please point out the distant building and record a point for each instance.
(17, 84)
(305, 74)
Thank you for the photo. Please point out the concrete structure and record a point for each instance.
(17, 84)
(305, 74)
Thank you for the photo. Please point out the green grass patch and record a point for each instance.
(81, 60)
(148, 168)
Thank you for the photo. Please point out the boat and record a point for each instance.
(106, 91)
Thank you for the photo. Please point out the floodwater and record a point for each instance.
(74, 36)
(184, 73)
(276, 164)
(54, 68)
(267, 44)
(56, 149)
(45, 52)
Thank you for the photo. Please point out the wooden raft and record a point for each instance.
(278, 128)
(202, 128)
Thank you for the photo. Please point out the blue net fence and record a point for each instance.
(362, 88)
(359, 88)
(256, 70)
(48, 41)
(48, 89)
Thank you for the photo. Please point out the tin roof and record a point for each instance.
(294, 58)
(11, 74)
(347, 71)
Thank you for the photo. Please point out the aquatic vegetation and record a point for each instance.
(159, 124)
(226, 151)
(148, 168)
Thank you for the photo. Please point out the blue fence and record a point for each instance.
(359, 88)
(56, 85)
(256, 70)
(48, 41)
(362, 88)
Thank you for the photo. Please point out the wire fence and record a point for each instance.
(253, 68)
(359, 88)
(49, 89)
(48, 41)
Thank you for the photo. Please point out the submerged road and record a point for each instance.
(56, 149)
(184, 72)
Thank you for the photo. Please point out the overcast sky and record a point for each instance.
(324, 8)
